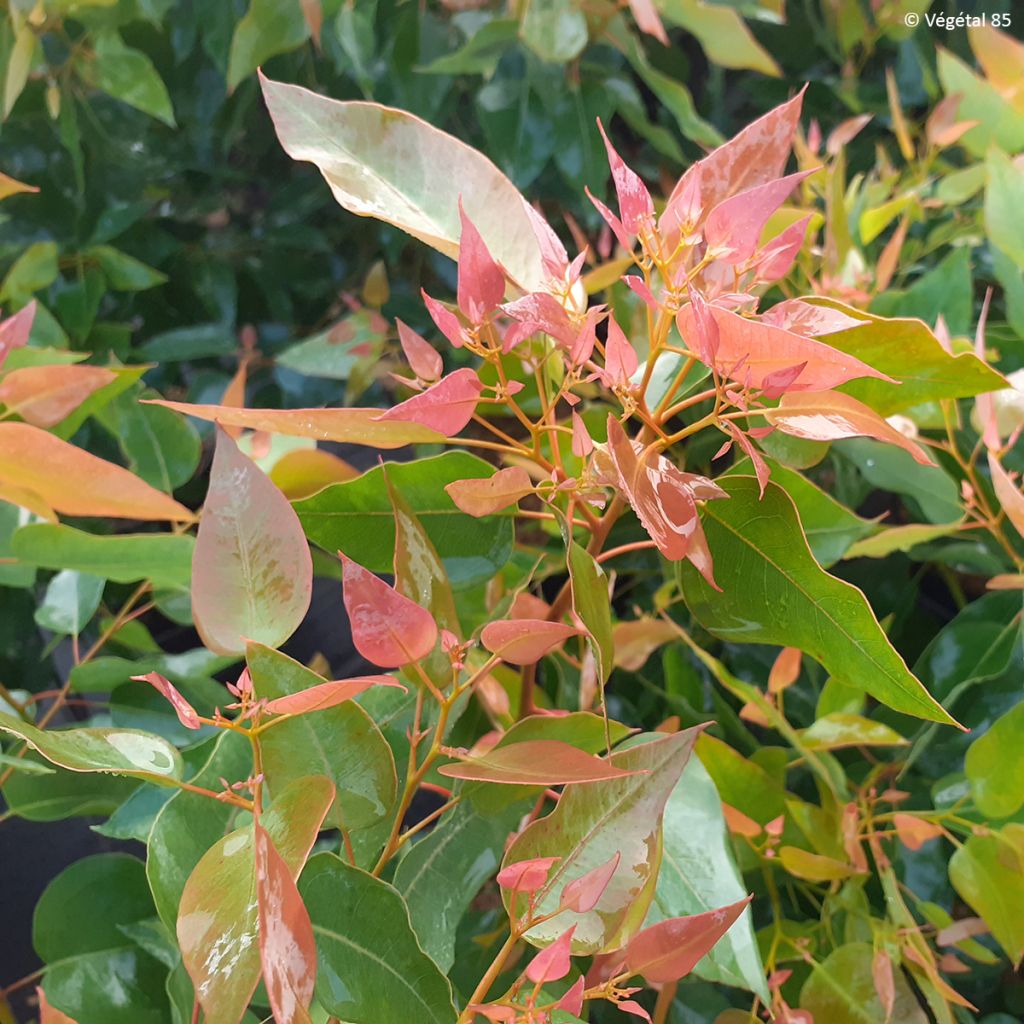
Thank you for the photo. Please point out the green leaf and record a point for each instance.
(65, 794)
(722, 34)
(908, 351)
(70, 601)
(333, 353)
(899, 538)
(988, 873)
(185, 343)
(13, 575)
(342, 743)
(442, 873)
(741, 783)
(774, 592)
(995, 766)
(124, 273)
(832, 731)
(164, 558)
(698, 873)
(96, 974)
(218, 912)
(371, 967)
(588, 826)
(556, 30)
(944, 291)
(592, 603)
(189, 824)
(998, 121)
(480, 53)
(841, 991)
(1004, 205)
(356, 517)
(119, 751)
(128, 74)
(362, 149)
(34, 270)
(268, 28)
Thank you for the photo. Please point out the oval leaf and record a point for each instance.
(535, 763)
(525, 641)
(327, 695)
(486, 496)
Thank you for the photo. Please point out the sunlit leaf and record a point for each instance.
(525, 641)
(535, 763)
(486, 496)
(837, 730)
(995, 765)
(44, 395)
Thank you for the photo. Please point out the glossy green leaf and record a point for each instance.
(34, 270)
(356, 516)
(15, 571)
(830, 732)
(988, 873)
(217, 923)
(1004, 205)
(189, 824)
(119, 751)
(70, 601)
(556, 30)
(128, 75)
(123, 272)
(722, 34)
(997, 120)
(65, 794)
(741, 783)
(252, 575)
(371, 967)
(95, 973)
(163, 558)
(995, 766)
(342, 743)
(698, 873)
(267, 29)
(774, 592)
(841, 991)
(592, 603)
(589, 825)
(899, 538)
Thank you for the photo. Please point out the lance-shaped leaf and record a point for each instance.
(1009, 494)
(554, 962)
(525, 641)
(582, 894)
(620, 358)
(779, 254)
(591, 601)
(371, 967)
(734, 226)
(44, 395)
(327, 695)
(388, 164)
(218, 921)
(388, 629)
(486, 496)
(352, 426)
(76, 483)
(186, 713)
(830, 416)
(526, 875)
(15, 330)
(750, 351)
(424, 359)
(670, 949)
(635, 203)
(481, 282)
(535, 763)
(115, 751)
(446, 406)
(252, 574)
(287, 945)
(794, 602)
(588, 826)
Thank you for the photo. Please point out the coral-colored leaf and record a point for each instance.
(914, 832)
(481, 282)
(26, 499)
(327, 695)
(1008, 493)
(446, 406)
(352, 426)
(779, 254)
(620, 358)
(444, 319)
(750, 350)
(830, 415)
(761, 470)
(49, 1014)
(388, 629)
(424, 359)
(76, 483)
(11, 187)
(488, 495)
(304, 471)
(186, 713)
(525, 641)
(552, 963)
(14, 331)
(785, 670)
(734, 226)
(669, 950)
(582, 442)
(287, 945)
(539, 311)
(647, 19)
(44, 395)
(808, 319)
(534, 763)
(572, 1001)
(252, 574)
(526, 875)
(635, 203)
(884, 981)
(631, 1006)
(582, 894)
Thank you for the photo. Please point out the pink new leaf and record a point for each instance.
(621, 234)
(446, 406)
(582, 442)
(15, 330)
(582, 894)
(647, 19)
(761, 470)
(631, 1006)
(705, 328)
(388, 629)
(620, 358)
(525, 641)
(424, 359)
(779, 254)
(481, 281)
(539, 311)
(635, 203)
(486, 496)
(808, 319)
(447, 322)
(1008, 493)
(526, 875)
(534, 763)
(186, 713)
(552, 963)
(327, 695)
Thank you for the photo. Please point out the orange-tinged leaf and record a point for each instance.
(10, 187)
(831, 415)
(76, 483)
(1007, 581)
(1001, 57)
(1009, 494)
(535, 763)
(44, 395)
(647, 19)
(670, 949)
(636, 641)
(526, 875)
(26, 499)
(388, 629)
(287, 944)
(525, 641)
(353, 426)
(252, 574)
(421, 356)
(582, 894)
(445, 407)
(186, 713)
(15, 330)
(49, 1014)
(785, 670)
(552, 963)
(813, 866)
(488, 495)
(914, 832)
(304, 471)
(327, 695)
(885, 984)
